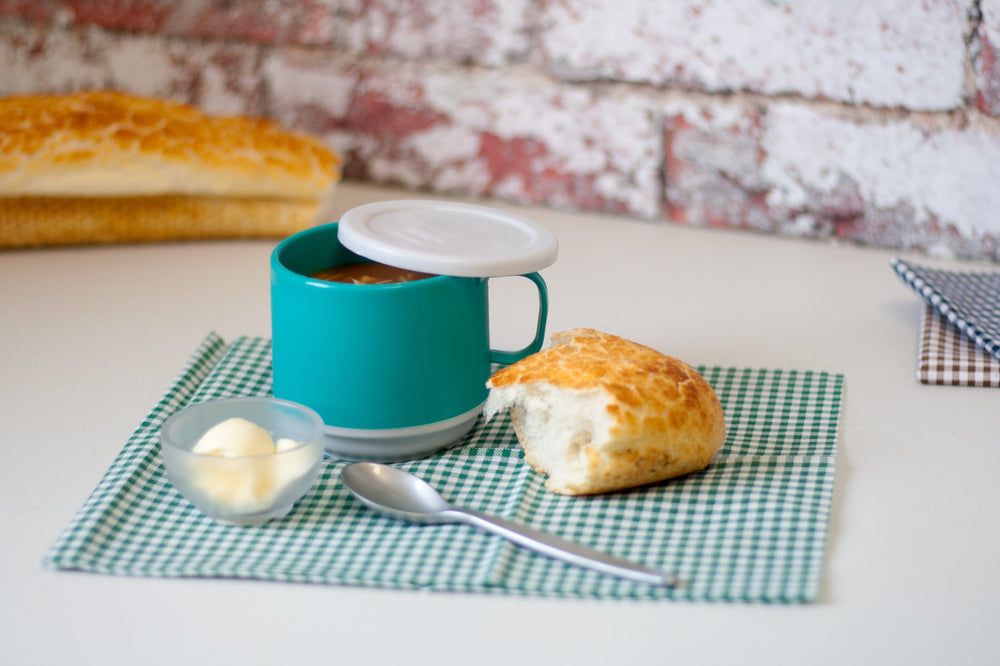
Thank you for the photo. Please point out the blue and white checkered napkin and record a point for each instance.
(750, 527)
(960, 329)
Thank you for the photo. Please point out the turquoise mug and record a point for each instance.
(396, 371)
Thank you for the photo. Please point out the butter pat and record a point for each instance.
(246, 479)
(235, 437)
(284, 444)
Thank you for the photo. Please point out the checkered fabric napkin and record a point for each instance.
(751, 527)
(960, 329)
(970, 301)
(947, 357)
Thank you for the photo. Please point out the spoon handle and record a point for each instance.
(565, 550)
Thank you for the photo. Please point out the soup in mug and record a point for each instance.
(369, 272)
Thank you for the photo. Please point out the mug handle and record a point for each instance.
(508, 357)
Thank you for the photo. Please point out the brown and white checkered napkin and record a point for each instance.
(960, 330)
(947, 356)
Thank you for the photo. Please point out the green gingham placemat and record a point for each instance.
(750, 527)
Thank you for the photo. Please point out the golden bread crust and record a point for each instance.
(27, 222)
(108, 143)
(666, 419)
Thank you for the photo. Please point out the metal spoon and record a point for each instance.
(402, 495)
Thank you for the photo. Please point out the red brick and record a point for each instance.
(134, 15)
(490, 32)
(988, 60)
(275, 21)
(509, 135)
(32, 10)
(712, 167)
(279, 21)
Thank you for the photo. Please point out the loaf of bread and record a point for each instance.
(599, 413)
(107, 167)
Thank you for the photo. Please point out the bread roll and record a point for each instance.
(104, 167)
(598, 413)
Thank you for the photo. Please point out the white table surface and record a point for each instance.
(91, 337)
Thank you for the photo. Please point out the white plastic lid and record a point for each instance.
(447, 238)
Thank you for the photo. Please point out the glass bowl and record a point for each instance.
(244, 489)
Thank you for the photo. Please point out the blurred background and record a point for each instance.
(870, 122)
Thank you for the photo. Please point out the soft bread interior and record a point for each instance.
(556, 427)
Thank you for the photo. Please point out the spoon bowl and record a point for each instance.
(395, 492)
(402, 495)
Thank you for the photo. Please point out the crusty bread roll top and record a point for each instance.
(107, 144)
(106, 167)
(599, 413)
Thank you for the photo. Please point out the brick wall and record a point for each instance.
(877, 122)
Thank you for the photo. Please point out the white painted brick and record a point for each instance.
(919, 182)
(887, 53)
(490, 32)
(34, 59)
(508, 133)
(712, 163)
(946, 175)
(297, 79)
(405, 102)
(220, 78)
